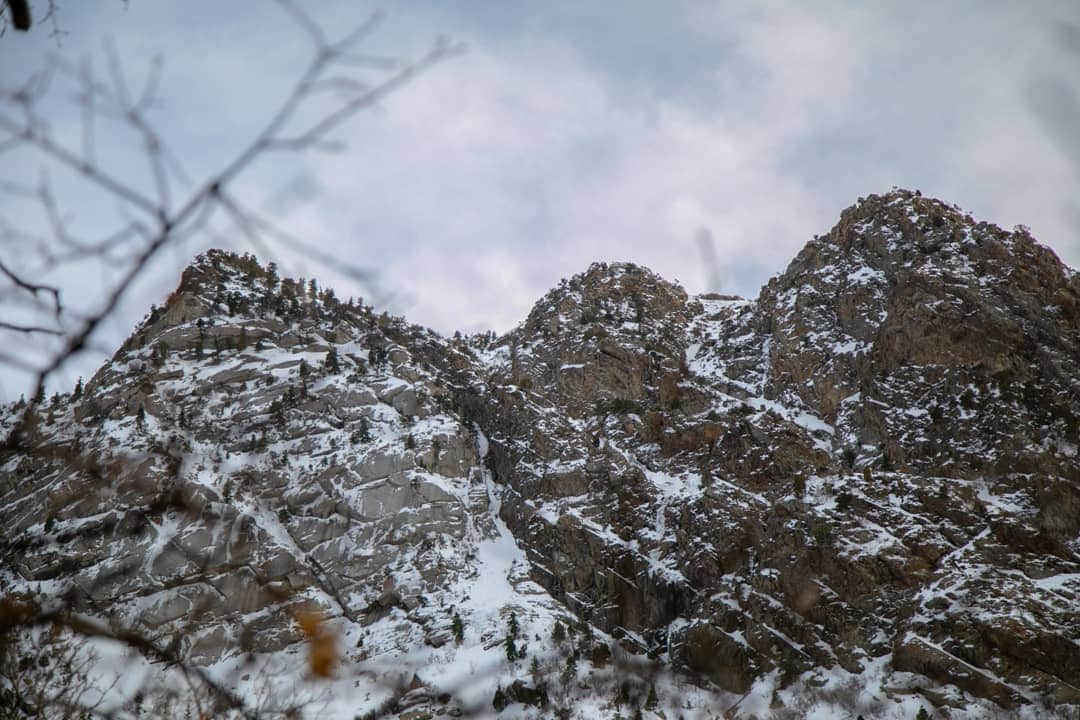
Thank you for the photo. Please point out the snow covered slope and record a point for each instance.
(860, 492)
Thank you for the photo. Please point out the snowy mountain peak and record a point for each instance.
(859, 493)
(609, 294)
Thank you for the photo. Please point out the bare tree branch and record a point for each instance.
(164, 221)
(28, 329)
(170, 213)
(33, 288)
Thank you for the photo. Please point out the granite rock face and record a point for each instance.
(872, 468)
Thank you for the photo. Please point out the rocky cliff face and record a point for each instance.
(867, 478)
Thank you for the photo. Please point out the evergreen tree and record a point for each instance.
(511, 648)
(512, 631)
(140, 417)
(558, 633)
(459, 629)
(362, 433)
(77, 392)
(569, 673)
(332, 364)
(585, 644)
(652, 700)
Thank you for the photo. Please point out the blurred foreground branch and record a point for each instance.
(169, 211)
(153, 220)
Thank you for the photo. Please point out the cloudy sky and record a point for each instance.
(706, 140)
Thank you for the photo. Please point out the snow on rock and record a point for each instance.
(854, 494)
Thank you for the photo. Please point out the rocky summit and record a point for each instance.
(858, 494)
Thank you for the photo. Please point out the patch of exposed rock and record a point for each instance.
(873, 465)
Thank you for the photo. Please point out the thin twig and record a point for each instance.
(32, 288)
(88, 170)
(29, 329)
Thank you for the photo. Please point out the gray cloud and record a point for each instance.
(573, 133)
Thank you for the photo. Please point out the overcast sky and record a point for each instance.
(572, 132)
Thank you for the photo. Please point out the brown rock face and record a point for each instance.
(897, 408)
(719, 656)
(907, 296)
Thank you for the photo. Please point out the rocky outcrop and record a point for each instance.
(873, 465)
(890, 413)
